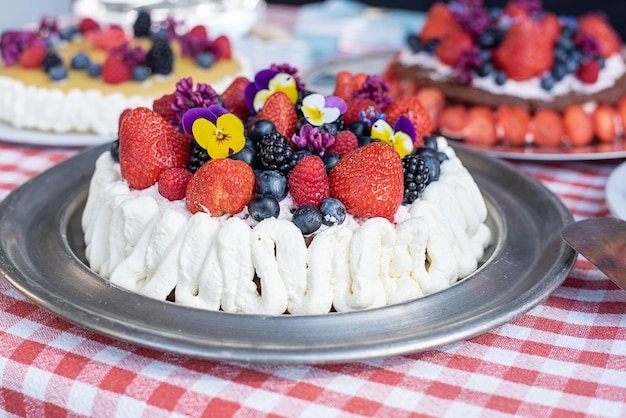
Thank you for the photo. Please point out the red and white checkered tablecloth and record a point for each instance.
(565, 357)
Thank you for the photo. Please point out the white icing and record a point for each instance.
(147, 244)
(528, 89)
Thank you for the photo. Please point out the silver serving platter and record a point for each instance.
(42, 253)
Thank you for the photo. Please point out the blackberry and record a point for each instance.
(416, 175)
(160, 58)
(275, 153)
(142, 25)
(199, 156)
(51, 59)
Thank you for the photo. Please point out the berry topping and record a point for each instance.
(80, 61)
(416, 176)
(280, 110)
(115, 71)
(308, 183)
(307, 218)
(87, 24)
(333, 212)
(271, 182)
(33, 56)
(275, 153)
(172, 183)
(588, 71)
(345, 142)
(142, 28)
(233, 98)
(160, 58)
(263, 207)
(50, 60)
(369, 181)
(220, 186)
(148, 146)
(163, 106)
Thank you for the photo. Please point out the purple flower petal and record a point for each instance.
(404, 124)
(248, 95)
(191, 115)
(216, 111)
(338, 102)
(263, 77)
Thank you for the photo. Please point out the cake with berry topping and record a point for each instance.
(79, 75)
(517, 75)
(271, 199)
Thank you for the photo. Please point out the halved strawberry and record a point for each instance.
(433, 101)
(547, 128)
(524, 52)
(233, 98)
(439, 21)
(32, 56)
(621, 112)
(604, 122)
(578, 125)
(512, 122)
(596, 26)
(480, 128)
(452, 45)
(453, 120)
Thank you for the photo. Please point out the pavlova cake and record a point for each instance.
(517, 74)
(78, 76)
(271, 199)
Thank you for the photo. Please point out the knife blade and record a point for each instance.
(602, 241)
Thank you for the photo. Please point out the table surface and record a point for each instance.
(565, 357)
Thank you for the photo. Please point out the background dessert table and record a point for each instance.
(565, 357)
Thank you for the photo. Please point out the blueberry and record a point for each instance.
(300, 154)
(248, 155)
(80, 61)
(69, 33)
(115, 150)
(58, 72)
(414, 43)
(500, 78)
(484, 69)
(272, 183)
(263, 207)
(601, 61)
(330, 160)
(558, 71)
(431, 159)
(205, 60)
(94, 70)
(560, 54)
(430, 45)
(308, 218)
(571, 66)
(564, 42)
(490, 38)
(547, 82)
(359, 128)
(364, 140)
(259, 129)
(333, 211)
(141, 73)
(430, 141)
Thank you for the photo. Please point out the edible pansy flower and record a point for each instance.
(312, 139)
(266, 83)
(319, 110)
(401, 137)
(215, 129)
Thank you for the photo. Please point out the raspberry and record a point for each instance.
(115, 71)
(356, 106)
(345, 141)
(87, 25)
(172, 183)
(32, 57)
(163, 106)
(588, 72)
(308, 183)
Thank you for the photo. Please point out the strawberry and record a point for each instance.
(621, 111)
(453, 120)
(596, 26)
(451, 46)
(480, 128)
(149, 145)
(120, 120)
(220, 186)
(603, 118)
(87, 24)
(551, 26)
(163, 106)
(279, 109)
(115, 71)
(233, 98)
(198, 31)
(588, 71)
(32, 56)
(345, 142)
(578, 125)
(547, 128)
(369, 181)
(412, 108)
(223, 47)
(344, 86)
(433, 101)
(355, 106)
(440, 20)
(108, 39)
(172, 183)
(512, 122)
(523, 53)
(308, 183)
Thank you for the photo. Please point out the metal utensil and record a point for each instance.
(602, 241)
